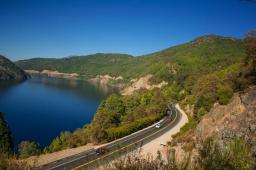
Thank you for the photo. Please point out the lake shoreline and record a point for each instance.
(97, 81)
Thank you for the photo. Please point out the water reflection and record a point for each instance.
(40, 108)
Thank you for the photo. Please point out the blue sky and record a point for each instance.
(60, 28)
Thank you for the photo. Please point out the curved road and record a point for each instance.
(91, 159)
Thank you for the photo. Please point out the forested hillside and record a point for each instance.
(186, 61)
(200, 73)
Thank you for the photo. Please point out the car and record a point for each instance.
(101, 151)
(158, 125)
(162, 143)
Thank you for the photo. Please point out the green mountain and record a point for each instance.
(202, 55)
(10, 71)
(200, 73)
(86, 66)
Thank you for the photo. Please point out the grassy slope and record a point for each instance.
(203, 55)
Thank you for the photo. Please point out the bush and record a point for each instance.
(13, 164)
(27, 149)
(224, 94)
(204, 103)
(235, 155)
(126, 129)
(200, 112)
(70, 140)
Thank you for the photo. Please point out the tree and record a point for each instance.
(6, 142)
(27, 149)
(250, 48)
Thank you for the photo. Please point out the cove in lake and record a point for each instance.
(40, 108)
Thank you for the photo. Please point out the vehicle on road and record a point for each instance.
(101, 151)
(162, 143)
(158, 125)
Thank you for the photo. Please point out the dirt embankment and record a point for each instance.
(51, 73)
(142, 83)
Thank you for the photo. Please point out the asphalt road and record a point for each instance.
(90, 159)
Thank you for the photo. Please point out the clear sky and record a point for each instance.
(60, 28)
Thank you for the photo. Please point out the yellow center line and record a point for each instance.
(111, 153)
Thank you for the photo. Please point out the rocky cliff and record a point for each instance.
(225, 122)
(9, 71)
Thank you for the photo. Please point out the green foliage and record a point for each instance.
(201, 112)
(200, 73)
(224, 94)
(233, 156)
(126, 129)
(27, 149)
(181, 63)
(191, 124)
(6, 142)
(250, 48)
(70, 140)
(204, 104)
(219, 86)
(118, 116)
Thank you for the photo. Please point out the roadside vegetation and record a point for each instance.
(234, 155)
(117, 116)
(8, 160)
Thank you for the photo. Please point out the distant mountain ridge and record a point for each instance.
(199, 56)
(10, 71)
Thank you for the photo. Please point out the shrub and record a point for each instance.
(235, 155)
(27, 149)
(126, 129)
(224, 94)
(13, 163)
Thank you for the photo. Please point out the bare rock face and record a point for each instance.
(226, 122)
(9, 71)
(142, 83)
(237, 119)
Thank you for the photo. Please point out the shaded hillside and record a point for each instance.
(9, 71)
(186, 61)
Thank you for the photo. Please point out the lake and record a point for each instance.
(40, 108)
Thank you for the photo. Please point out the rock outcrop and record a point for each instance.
(226, 122)
(142, 83)
(105, 79)
(10, 71)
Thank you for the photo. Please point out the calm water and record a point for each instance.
(40, 108)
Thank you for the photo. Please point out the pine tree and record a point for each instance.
(6, 142)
